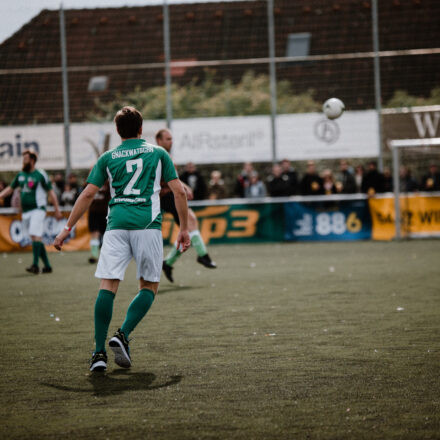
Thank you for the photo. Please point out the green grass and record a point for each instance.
(283, 341)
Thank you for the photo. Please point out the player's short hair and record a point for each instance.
(32, 154)
(128, 122)
(160, 133)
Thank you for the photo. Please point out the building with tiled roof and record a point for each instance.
(125, 45)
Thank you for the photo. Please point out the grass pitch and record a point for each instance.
(282, 341)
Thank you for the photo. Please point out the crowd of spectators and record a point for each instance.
(282, 181)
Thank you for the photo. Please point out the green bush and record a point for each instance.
(402, 98)
(251, 96)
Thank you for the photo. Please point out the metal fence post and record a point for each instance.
(65, 91)
(377, 86)
(396, 183)
(166, 43)
(273, 79)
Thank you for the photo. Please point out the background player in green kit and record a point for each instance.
(34, 187)
(164, 138)
(134, 170)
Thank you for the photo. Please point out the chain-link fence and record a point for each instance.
(219, 61)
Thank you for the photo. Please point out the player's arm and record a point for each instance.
(6, 192)
(183, 240)
(54, 200)
(188, 190)
(83, 202)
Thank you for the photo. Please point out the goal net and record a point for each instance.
(416, 187)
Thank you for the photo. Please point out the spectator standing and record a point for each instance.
(431, 181)
(74, 186)
(58, 184)
(216, 186)
(289, 174)
(277, 184)
(311, 183)
(192, 177)
(346, 183)
(359, 177)
(243, 179)
(328, 182)
(255, 188)
(387, 180)
(68, 197)
(407, 183)
(372, 182)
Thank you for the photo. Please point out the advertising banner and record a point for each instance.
(417, 123)
(12, 237)
(312, 136)
(327, 221)
(87, 143)
(420, 216)
(247, 223)
(202, 140)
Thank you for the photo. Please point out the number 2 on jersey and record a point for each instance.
(129, 190)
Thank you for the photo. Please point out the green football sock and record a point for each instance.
(173, 255)
(35, 252)
(137, 309)
(103, 316)
(43, 254)
(94, 247)
(197, 243)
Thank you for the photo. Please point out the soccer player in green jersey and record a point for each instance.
(134, 170)
(34, 187)
(164, 138)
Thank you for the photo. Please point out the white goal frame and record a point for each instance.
(395, 145)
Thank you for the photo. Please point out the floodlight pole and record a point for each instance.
(273, 79)
(166, 43)
(377, 88)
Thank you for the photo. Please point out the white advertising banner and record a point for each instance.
(313, 136)
(203, 140)
(222, 140)
(87, 142)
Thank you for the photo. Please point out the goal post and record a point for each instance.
(396, 145)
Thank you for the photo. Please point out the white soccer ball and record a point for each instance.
(333, 108)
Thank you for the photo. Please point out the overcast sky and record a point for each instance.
(14, 14)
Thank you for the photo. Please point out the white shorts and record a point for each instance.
(120, 246)
(33, 222)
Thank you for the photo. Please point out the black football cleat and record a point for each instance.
(98, 361)
(33, 269)
(119, 345)
(168, 271)
(47, 269)
(206, 261)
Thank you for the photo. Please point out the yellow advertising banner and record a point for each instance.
(12, 237)
(420, 216)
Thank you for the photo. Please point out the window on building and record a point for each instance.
(98, 83)
(298, 45)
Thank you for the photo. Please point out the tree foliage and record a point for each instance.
(251, 96)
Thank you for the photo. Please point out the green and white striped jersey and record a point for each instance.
(34, 187)
(134, 170)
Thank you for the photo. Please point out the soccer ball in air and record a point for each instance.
(333, 108)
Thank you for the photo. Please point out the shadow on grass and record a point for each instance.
(176, 288)
(117, 382)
